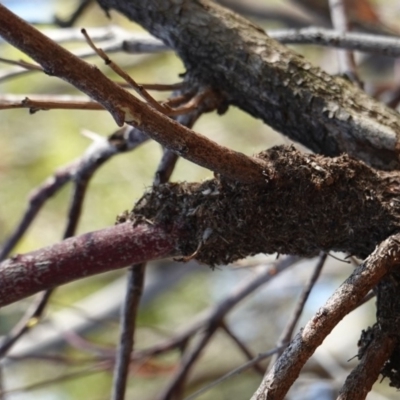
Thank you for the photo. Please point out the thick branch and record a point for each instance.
(327, 114)
(81, 256)
(307, 204)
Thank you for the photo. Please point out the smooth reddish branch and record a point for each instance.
(81, 256)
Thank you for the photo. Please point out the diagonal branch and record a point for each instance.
(314, 203)
(286, 370)
(123, 106)
(269, 81)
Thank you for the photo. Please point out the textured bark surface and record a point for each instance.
(308, 203)
(327, 114)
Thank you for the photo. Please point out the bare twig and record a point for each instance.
(287, 333)
(236, 371)
(364, 42)
(214, 321)
(100, 151)
(347, 64)
(128, 324)
(257, 367)
(37, 103)
(118, 70)
(286, 370)
(21, 63)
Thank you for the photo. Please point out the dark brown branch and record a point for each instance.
(313, 204)
(307, 204)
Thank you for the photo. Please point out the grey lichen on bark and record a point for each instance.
(327, 114)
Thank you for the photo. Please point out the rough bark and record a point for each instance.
(306, 204)
(264, 78)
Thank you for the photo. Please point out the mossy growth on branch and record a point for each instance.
(308, 203)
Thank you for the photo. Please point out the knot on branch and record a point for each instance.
(308, 203)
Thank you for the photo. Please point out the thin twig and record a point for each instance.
(347, 64)
(236, 371)
(118, 70)
(21, 63)
(348, 296)
(287, 333)
(213, 322)
(38, 103)
(364, 42)
(129, 314)
(257, 367)
(160, 87)
(100, 151)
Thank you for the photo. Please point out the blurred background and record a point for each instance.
(69, 354)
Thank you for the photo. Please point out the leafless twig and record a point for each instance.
(347, 64)
(287, 333)
(348, 296)
(213, 322)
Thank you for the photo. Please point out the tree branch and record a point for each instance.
(314, 203)
(81, 256)
(327, 114)
(286, 370)
(123, 106)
